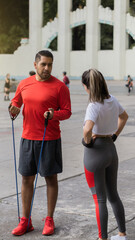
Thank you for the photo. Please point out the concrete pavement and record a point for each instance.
(75, 213)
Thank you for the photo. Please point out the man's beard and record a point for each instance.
(44, 75)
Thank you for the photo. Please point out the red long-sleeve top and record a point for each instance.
(36, 97)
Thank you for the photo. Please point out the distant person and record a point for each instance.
(66, 79)
(31, 73)
(7, 88)
(104, 121)
(129, 84)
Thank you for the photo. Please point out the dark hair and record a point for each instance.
(64, 73)
(95, 82)
(44, 53)
(86, 79)
(31, 73)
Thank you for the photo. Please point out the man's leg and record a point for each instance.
(27, 193)
(52, 193)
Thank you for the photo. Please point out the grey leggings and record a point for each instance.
(101, 165)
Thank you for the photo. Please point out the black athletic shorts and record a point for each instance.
(51, 160)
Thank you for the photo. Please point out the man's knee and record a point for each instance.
(28, 180)
(51, 180)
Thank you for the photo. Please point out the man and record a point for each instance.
(40, 94)
(66, 79)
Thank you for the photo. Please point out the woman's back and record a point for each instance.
(104, 115)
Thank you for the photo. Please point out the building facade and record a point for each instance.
(115, 64)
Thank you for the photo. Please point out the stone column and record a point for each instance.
(35, 24)
(92, 33)
(64, 35)
(120, 8)
(127, 35)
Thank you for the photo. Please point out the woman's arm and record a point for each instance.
(87, 131)
(121, 122)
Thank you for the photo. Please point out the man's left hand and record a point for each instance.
(51, 111)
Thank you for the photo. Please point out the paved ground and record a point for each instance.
(75, 214)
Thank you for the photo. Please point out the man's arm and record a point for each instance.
(16, 102)
(64, 111)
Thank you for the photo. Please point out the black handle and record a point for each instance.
(46, 119)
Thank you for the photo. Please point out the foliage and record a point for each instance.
(50, 11)
(54, 44)
(78, 4)
(78, 38)
(14, 16)
(131, 42)
(108, 3)
(4, 43)
(106, 37)
(132, 7)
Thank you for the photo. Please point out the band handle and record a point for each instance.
(11, 116)
(46, 119)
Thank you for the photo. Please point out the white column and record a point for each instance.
(64, 35)
(35, 24)
(92, 33)
(120, 8)
(127, 35)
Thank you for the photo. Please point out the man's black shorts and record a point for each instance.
(51, 160)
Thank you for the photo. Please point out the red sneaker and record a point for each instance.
(49, 226)
(22, 227)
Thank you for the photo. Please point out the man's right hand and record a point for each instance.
(14, 110)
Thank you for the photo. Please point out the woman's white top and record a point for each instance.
(104, 115)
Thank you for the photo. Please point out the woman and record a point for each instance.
(7, 87)
(104, 120)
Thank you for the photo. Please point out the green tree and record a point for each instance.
(54, 44)
(78, 33)
(78, 4)
(14, 24)
(50, 11)
(106, 40)
(4, 43)
(78, 38)
(132, 7)
(108, 3)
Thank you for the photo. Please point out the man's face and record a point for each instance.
(44, 67)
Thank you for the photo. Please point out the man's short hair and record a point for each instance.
(64, 73)
(44, 53)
